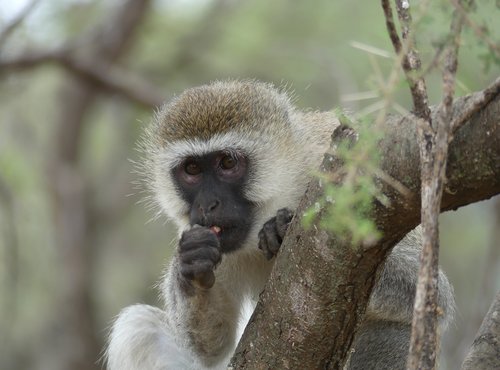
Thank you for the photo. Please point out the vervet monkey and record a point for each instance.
(228, 163)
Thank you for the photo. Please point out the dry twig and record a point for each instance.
(410, 59)
(433, 142)
(475, 103)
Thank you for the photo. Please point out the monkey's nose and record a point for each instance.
(213, 205)
(210, 207)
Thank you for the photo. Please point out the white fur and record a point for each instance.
(142, 339)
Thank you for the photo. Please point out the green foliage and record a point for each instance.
(345, 207)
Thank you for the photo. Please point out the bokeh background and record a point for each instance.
(76, 244)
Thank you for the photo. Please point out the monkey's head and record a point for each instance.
(225, 156)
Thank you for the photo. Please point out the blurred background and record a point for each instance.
(79, 80)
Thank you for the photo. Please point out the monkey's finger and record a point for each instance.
(283, 218)
(207, 253)
(205, 279)
(273, 239)
(197, 270)
(195, 238)
(264, 243)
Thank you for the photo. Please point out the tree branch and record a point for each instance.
(411, 63)
(475, 102)
(391, 26)
(433, 156)
(320, 285)
(96, 71)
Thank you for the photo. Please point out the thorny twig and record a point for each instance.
(433, 142)
(410, 59)
(475, 103)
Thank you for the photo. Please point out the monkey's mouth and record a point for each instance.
(217, 230)
(230, 237)
(225, 234)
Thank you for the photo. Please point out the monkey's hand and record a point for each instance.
(273, 231)
(199, 254)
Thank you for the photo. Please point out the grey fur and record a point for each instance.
(382, 341)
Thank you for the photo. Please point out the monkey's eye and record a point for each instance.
(192, 168)
(228, 162)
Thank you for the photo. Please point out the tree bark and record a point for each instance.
(485, 351)
(434, 137)
(320, 285)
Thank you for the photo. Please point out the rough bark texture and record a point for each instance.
(433, 138)
(485, 351)
(319, 288)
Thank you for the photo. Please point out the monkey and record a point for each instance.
(228, 163)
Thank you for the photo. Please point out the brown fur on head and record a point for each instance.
(215, 109)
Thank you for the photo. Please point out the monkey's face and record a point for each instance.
(226, 156)
(212, 185)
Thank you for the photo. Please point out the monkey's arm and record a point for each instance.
(205, 319)
(197, 327)
(197, 297)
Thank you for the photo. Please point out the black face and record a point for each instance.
(212, 184)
